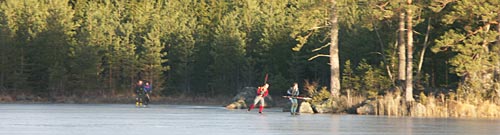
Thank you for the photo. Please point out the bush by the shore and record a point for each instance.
(430, 106)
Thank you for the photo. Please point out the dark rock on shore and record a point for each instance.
(245, 98)
(368, 108)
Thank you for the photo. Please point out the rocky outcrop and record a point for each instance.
(305, 107)
(240, 104)
(368, 108)
(245, 98)
(327, 106)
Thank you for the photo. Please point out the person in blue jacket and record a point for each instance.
(147, 90)
(293, 92)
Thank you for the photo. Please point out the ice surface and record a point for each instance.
(124, 119)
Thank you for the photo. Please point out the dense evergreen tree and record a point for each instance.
(474, 58)
(211, 47)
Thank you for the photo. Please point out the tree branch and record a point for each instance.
(317, 27)
(382, 6)
(319, 48)
(318, 55)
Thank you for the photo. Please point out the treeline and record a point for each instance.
(102, 47)
(214, 47)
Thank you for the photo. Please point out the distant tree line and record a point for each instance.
(214, 47)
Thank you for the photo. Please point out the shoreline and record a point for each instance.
(222, 101)
(123, 99)
(219, 105)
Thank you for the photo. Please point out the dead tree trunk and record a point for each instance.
(497, 78)
(334, 51)
(401, 52)
(409, 52)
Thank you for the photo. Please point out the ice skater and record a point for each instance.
(147, 90)
(139, 90)
(293, 93)
(262, 92)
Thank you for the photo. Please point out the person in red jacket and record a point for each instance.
(262, 92)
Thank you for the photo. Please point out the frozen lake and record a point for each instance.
(123, 119)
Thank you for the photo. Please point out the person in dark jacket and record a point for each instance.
(139, 91)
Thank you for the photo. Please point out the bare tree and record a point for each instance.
(409, 52)
(334, 51)
(401, 51)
